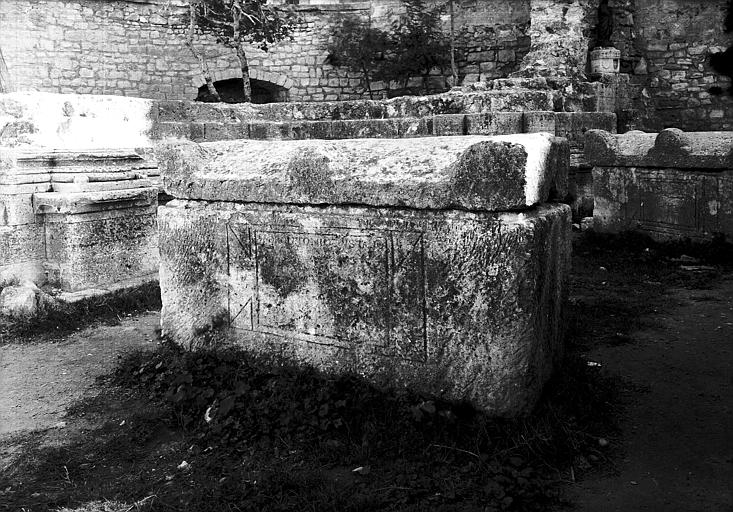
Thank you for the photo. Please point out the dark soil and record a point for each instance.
(637, 419)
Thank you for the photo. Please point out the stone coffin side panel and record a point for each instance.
(665, 203)
(457, 304)
(672, 184)
(94, 249)
(77, 219)
(22, 253)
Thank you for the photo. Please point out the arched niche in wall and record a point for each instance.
(267, 87)
(230, 91)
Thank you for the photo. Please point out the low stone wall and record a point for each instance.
(77, 220)
(670, 185)
(513, 106)
(433, 263)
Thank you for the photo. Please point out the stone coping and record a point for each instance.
(43, 158)
(451, 102)
(472, 172)
(74, 202)
(669, 148)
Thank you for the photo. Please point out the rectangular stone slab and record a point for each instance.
(457, 304)
(664, 203)
(91, 249)
(476, 173)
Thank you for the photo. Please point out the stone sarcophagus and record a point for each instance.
(669, 185)
(433, 263)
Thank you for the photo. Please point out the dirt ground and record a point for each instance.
(674, 450)
(677, 433)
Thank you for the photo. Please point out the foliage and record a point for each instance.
(413, 47)
(418, 43)
(360, 47)
(259, 24)
(236, 23)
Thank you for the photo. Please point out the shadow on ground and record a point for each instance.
(169, 430)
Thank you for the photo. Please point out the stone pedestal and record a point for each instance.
(429, 263)
(77, 219)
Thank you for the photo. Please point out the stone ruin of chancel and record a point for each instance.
(439, 264)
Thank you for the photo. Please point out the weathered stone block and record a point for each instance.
(494, 123)
(533, 122)
(670, 185)
(19, 301)
(458, 304)
(473, 172)
(95, 248)
(365, 129)
(669, 148)
(22, 252)
(411, 127)
(449, 124)
(665, 203)
(380, 257)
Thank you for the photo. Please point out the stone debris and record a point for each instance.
(19, 301)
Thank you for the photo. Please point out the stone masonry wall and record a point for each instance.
(136, 48)
(666, 46)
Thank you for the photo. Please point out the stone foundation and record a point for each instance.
(670, 185)
(412, 275)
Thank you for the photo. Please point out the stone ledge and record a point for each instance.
(671, 148)
(472, 172)
(116, 287)
(76, 202)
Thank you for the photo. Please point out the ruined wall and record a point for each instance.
(136, 48)
(491, 37)
(666, 45)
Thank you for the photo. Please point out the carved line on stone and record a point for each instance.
(249, 248)
(648, 219)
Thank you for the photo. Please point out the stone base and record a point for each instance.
(462, 305)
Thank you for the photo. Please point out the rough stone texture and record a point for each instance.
(559, 32)
(77, 219)
(670, 185)
(459, 304)
(137, 48)
(19, 301)
(93, 249)
(74, 121)
(666, 45)
(669, 148)
(471, 172)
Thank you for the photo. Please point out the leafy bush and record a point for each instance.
(360, 47)
(413, 47)
(417, 43)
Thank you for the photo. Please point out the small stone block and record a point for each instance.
(534, 122)
(449, 124)
(494, 123)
